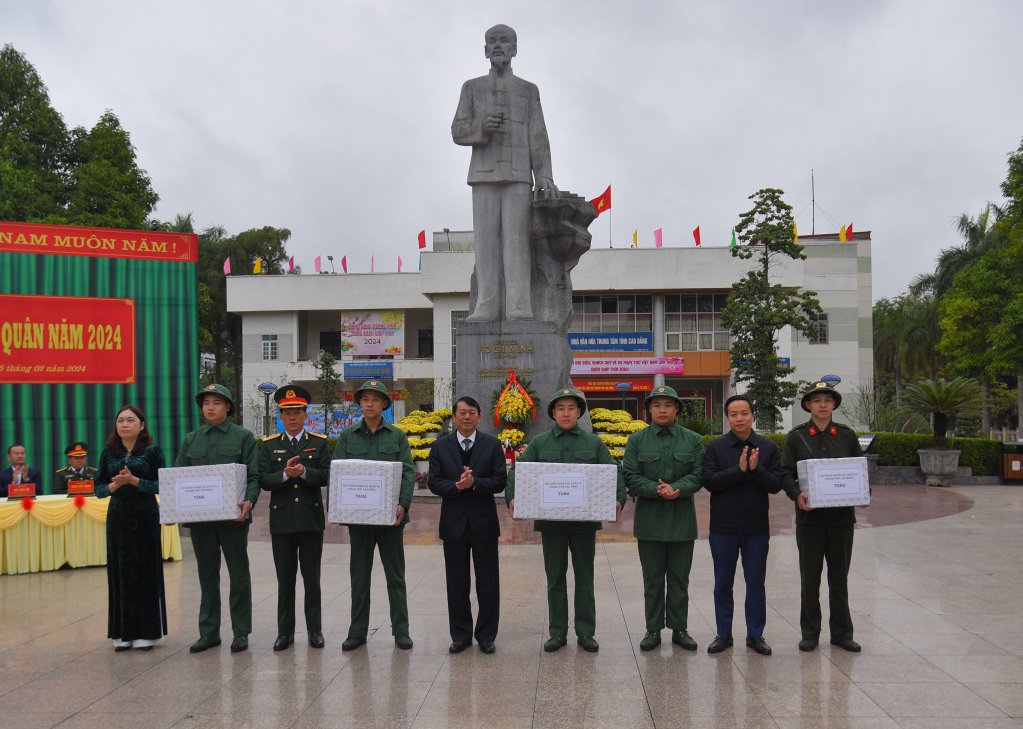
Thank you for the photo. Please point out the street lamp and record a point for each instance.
(331, 259)
(623, 387)
(268, 389)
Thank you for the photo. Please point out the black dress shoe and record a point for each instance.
(459, 645)
(719, 643)
(403, 642)
(846, 644)
(488, 647)
(351, 644)
(283, 641)
(316, 639)
(757, 643)
(121, 648)
(807, 644)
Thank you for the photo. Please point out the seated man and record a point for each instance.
(19, 472)
(76, 469)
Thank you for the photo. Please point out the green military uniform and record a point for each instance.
(665, 528)
(825, 533)
(296, 513)
(386, 444)
(65, 475)
(561, 537)
(207, 446)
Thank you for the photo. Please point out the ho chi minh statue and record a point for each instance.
(528, 235)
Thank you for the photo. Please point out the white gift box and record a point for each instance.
(202, 493)
(566, 491)
(364, 492)
(834, 481)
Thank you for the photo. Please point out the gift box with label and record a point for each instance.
(566, 491)
(834, 481)
(364, 492)
(202, 493)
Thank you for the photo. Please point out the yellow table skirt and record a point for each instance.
(60, 530)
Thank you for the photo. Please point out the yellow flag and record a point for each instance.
(259, 261)
(635, 239)
(795, 232)
(841, 234)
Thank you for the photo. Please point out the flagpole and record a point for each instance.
(610, 242)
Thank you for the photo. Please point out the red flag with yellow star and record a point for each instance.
(602, 203)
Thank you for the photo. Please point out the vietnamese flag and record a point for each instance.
(602, 203)
(696, 235)
(422, 239)
(848, 233)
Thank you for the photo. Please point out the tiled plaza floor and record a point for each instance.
(938, 607)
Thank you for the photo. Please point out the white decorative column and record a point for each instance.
(658, 327)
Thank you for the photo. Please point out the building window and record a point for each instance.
(330, 342)
(458, 315)
(692, 323)
(609, 313)
(821, 325)
(269, 347)
(426, 343)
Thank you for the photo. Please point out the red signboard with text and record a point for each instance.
(66, 339)
(21, 490)
(98, 242)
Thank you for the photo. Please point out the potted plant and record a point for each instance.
(940, 400)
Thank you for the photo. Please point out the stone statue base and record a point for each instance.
(538, 353)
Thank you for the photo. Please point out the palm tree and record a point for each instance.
(941, 400)
(980, 235)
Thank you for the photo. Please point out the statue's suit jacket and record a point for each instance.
(521, 148)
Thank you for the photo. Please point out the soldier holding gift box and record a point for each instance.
(372, 439)
(221, 441)
(664, 467)
(822, 533)
(293, 466)
(566, 442)
(76, 469)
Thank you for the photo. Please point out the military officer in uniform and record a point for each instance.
(566, 442)
(826, 532)
(664, 468)
(373, 439)
(76, 469)
(293, 466)
(221, 441)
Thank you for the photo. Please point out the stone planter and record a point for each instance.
(939, 466)
(421, 466)
(431, 434)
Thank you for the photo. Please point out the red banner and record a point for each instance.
(66, 339)
(609, 385)
(67, 240)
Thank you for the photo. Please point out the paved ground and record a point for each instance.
(937, 609)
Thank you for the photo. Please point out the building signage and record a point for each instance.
(64, 240)
(629, 366)
(66, 340)
(372, 332)
(588, 385)
(382, 369)
(611, 342)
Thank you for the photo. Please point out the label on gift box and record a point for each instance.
(21, 490)
(361, 492)
(829, 482)
(199, 493)
(563, 490)
(80, 487)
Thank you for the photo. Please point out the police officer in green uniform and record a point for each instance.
(221, 441)
(293, 466)
(664, 468)
(822, 533)
(566, 442)
(76, 469)
(372, 439)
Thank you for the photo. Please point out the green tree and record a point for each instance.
(941, 400)
(757, 308)
(330, 384)
(34, 144)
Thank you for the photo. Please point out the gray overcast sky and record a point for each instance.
(333, 119)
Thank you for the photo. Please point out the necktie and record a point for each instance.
(466, 444)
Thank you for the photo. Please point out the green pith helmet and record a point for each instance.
(216, 390)
(567, 392)
(373, 386)
(662, 391)
(821, 386)
(292, 396)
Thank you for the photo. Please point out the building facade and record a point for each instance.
(642, 318)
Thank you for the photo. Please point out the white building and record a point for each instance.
(668, 300)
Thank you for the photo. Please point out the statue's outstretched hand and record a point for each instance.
(545, 187)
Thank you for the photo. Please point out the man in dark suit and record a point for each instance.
(19, 472)
(467, 468)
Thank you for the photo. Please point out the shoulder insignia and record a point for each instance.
(318, 435)
(62, 470)
(271, 437)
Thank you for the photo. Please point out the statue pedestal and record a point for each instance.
(536, 351)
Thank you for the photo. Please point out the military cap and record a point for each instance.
(821, 386)
(373, 386)
(215, 390)
(292, 396)
(78, 448)
(662, 391)
(563, 393)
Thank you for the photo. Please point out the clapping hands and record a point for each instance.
(124, 478)
(751, 461)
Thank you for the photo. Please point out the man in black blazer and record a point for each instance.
(467, 468)
(19, 472)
